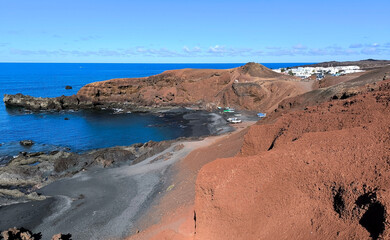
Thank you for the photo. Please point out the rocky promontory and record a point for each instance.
(39, 103)
(251, 87)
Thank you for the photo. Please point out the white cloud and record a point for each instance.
(217, 49)
(299, 47)
(193, 50)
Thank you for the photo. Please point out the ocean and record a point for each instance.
(84, 130)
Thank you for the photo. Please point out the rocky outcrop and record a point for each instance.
(24, 234)
(26, 143)
(252, 87)
(318, 173)
(20, 234)
(61, 236)
(27, 172)
(38, 103)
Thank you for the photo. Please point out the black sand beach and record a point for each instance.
(103, 203)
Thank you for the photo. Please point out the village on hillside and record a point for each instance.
(319, 72)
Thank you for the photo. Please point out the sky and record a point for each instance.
(183, 31)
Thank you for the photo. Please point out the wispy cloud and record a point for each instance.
(299, 46)
(218, 50)
(371, 51)
(356, 45)
(192, 50)
(374, 49)
(362, 45)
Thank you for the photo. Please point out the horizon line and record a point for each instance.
(158, 63)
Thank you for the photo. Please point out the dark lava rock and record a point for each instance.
(68, 87)
(38, 103)
(20, 233)
(62, 237)
(27, 143)
(24, 234)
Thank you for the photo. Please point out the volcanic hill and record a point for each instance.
(319, 173)
(251, 87)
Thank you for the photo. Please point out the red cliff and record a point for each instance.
(252, 87)
(320, 173)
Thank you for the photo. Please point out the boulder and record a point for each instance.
(61, 236)
(68, 87)
(20, 233)
(26, 143)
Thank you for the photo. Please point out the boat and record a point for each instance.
(234, 120)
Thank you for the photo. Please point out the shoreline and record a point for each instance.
(27, 172)
(193, 123)
(120, 194)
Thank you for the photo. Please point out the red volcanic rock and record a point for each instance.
(321, 173)
(252, 87)
(336, 88)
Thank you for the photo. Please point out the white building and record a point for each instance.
(305, 72)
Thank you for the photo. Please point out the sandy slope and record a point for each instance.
(319, 173)
(172, 216)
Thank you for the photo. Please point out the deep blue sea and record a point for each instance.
(85, 129)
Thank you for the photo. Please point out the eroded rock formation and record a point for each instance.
(320, 173)
(252, 87)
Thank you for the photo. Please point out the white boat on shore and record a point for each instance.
(234, 120)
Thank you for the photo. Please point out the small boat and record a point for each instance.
(228, 110)
(234, 120)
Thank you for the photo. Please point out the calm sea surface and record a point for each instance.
(85, 129)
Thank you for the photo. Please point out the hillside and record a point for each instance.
(337, 87)
(319, 173)
(364, 64)
(251, 87)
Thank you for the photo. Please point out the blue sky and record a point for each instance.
(175, 31)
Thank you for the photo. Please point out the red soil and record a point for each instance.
(174, 214)
(252, 87)
(318, 173)
(322, 173)
(335, 88)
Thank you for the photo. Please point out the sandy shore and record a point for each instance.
(171, 215)
(109, 203)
